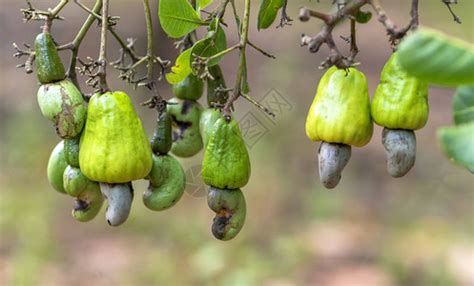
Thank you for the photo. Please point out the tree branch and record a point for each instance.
(102, 73)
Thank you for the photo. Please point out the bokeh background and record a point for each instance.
(371, 230)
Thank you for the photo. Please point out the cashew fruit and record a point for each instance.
(167, 183)
(400, 149)
(215, 86)
(71, 151)
(49, 67)
(332, 158)
(436, 58)
(340, 112)
(226, 163)
(206, 123)
(230, 209)
(89, 199)
(114, 147)
(190, 88)
(162, 137)
(400, 100)
(63, 104)
(56, 166)
(185, 115)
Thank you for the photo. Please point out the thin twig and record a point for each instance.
(102, 73)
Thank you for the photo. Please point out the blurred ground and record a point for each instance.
(371, 231)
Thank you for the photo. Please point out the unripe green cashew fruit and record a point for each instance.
(167, 183)
(339, 116)
(185, 115)
(114, 147)
(400, 100)
(400, 104)
(162, 137)
(230, 209)
(49, 67)
(56, 166)
(71, 151)
(215, 86)
(209, 117)
(226, 163)
(63, 104)
(88, 196)
(190, 88)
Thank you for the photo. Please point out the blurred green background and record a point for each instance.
(371, 230)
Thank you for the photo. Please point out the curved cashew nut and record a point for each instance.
(333, 157)
(230, 209)
(400, 148)
(119, 198)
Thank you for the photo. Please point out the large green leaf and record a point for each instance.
(437, 58)
(181, 69)
(458, 144)
(268, 12)
(214, 42)
(178, 18)
(463, 104)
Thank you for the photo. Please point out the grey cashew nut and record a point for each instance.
(333, 157)
(119, 198)
(400, 148)
(230, 209)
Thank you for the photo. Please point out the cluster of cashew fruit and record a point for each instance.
(341, 116)
(105, 147)
(226, 164)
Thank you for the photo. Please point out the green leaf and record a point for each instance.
(204, 3)
(181, 69)
(214, 42)
(463, 104)
(363, 17)
(437, 58)
(458, 144)
(268, 12)
(178, 18)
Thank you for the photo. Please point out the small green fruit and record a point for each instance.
(114, 147)
(340, 112)
(56, 166)
(71, 151)
(226, 163)
(400, 100)
(49, 67)
(88, 203)
(185, 115)
(74, 181)
(162, 138)
(167, 183)
(208, 119)
(190, 88)
(62, 103)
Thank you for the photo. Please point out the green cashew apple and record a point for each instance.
(191, 88)
(400, 100)
(88, 196)
(400, 104)
(56, 166)
(114, 147)
(162, 137)
(208, 118)
(340, 117)
(230, 209)
(185, 115)
(226, 163)
(215, 86)
(63, 104)
(49, 67)
(167, 183)
(71, 151)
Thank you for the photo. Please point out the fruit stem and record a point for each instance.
(102, 73)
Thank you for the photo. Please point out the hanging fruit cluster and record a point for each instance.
(341, 115)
